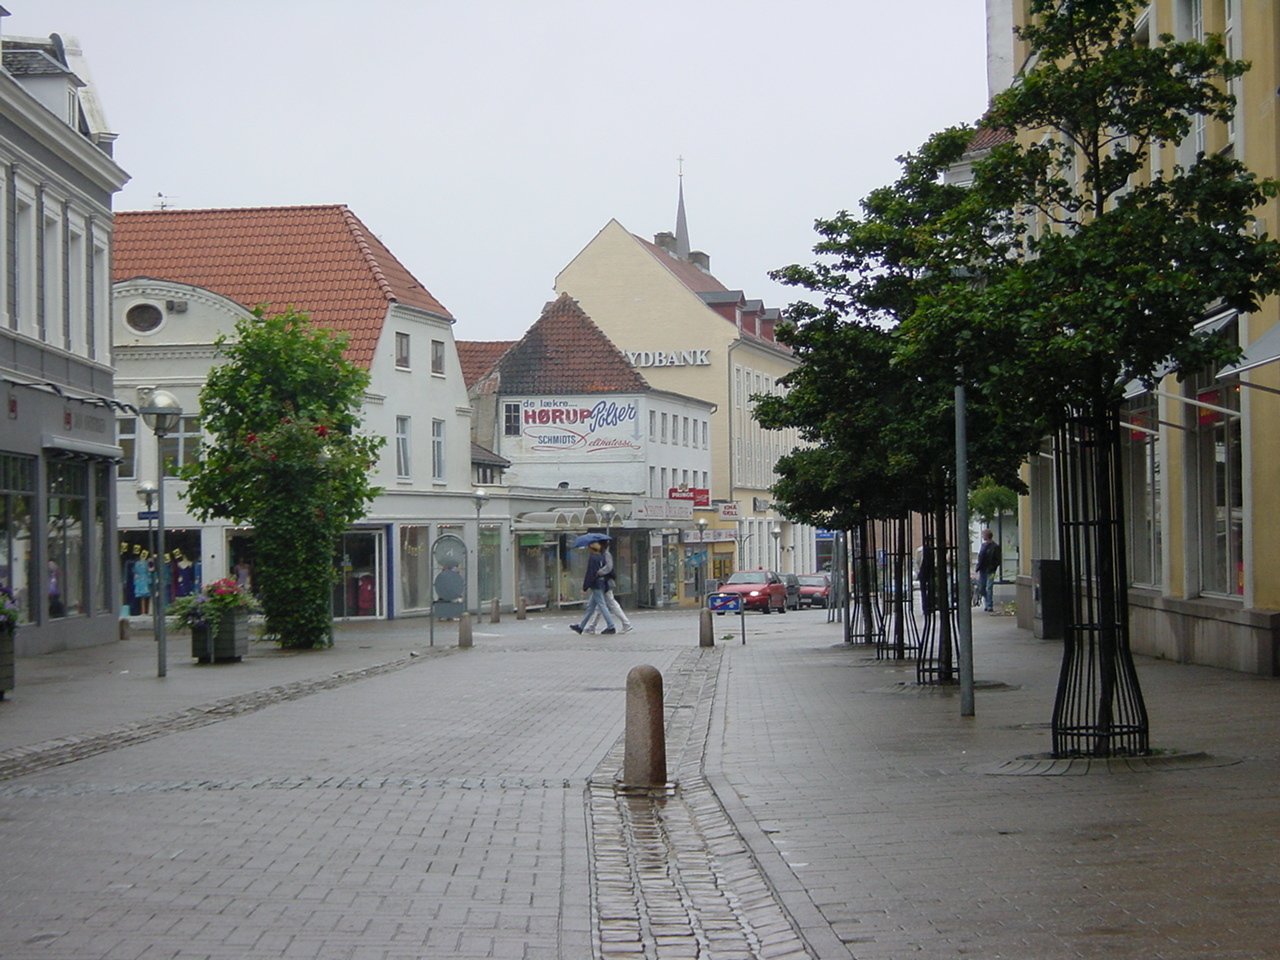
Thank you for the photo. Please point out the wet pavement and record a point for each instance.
(389, 799)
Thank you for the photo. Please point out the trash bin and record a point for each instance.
(1048, 591)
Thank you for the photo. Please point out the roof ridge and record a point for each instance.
(358, 231)
(175, 211)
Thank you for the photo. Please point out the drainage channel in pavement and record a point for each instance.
(671, 876)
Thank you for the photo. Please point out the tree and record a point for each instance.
(284, 456)
(1096, 276)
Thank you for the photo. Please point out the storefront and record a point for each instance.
(139, 572)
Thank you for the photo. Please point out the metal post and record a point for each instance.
(162, 651)
(964, 614)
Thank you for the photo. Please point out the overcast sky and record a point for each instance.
(487, 141)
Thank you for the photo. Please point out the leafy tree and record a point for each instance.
(1097, 276)
(883, 436)
(284, 457)
(988, 500)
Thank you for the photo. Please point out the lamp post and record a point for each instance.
(161, 412)
(776, 533)
(481, 497)
(609, 510)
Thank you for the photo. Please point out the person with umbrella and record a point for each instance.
(593, 583)
(610, 575)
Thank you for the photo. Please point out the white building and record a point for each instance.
(57, 443)
(183, 277)
(572, 414)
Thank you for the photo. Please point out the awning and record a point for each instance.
(1262, 351)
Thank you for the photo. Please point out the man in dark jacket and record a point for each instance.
(594, 583)
(987, 567)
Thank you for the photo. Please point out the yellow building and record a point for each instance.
(1202, 456)
(690, 334)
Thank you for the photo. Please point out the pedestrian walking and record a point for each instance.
(593, 585)
(987, 568)
(610, 601)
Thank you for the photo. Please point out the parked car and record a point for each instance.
(792, 583)
(815, 589)
(761, 590)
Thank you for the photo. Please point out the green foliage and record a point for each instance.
(989, 500)
(1097, 280)
(883, 436)
(283, 456)
(208, 608)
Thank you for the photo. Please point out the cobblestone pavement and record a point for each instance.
(388, 800)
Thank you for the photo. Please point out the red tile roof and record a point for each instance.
(320, 260)
(686, 272)
(566, 353)
(478, 357)
(984, 138)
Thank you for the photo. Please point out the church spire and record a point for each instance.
(682, 227)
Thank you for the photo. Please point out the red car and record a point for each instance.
(815, 589)
(761, 590)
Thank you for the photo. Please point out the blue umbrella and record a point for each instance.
(586, 538)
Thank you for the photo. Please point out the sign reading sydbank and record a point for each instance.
(669, 358)
(579, 424)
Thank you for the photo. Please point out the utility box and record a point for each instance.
(1048, 592)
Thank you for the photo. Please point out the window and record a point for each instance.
(437, 451)
(684, 429)
(66, 548)
(182, 447)
(437, 357)
(653, 481)
(511, 419)
(17, 551)
(143, 317)
(127, 438)
(1219, 456)
(705, 444)
(664, 428)
(663, 488)
(488, 474)
(653, 426)
(402, 351)
(403, 464)
(1141, 466)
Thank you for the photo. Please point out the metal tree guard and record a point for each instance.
(935, 661)
(866, 619)
(1099, 710)
(899, 634)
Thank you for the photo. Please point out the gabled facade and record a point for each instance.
(57, 442)
(691, 335)
(568, 412)
(183, 277)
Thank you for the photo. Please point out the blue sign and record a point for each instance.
(148, 514)
(821, 534)
(725, 602)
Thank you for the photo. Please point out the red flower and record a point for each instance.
(251, 438)
(322, 430)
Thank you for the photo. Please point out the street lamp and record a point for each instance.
(608, 509)
(776, 533)
(481, 497)
(161, 412)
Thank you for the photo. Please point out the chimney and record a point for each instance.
(666, 240)
(700, 260)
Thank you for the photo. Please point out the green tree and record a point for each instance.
(1096, 276)
(883, 437)
(284, 456)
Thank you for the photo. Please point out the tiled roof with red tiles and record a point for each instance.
(984, 138)
(692, 276)
(566, 353)
(478, 357)
(321, 260)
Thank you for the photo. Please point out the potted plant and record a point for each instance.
(8, 626)
(219, 620)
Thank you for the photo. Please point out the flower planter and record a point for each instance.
(6, 659)
(231, 642)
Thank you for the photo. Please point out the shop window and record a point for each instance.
(1141, 453)
(1220, 491)
(17, 501)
